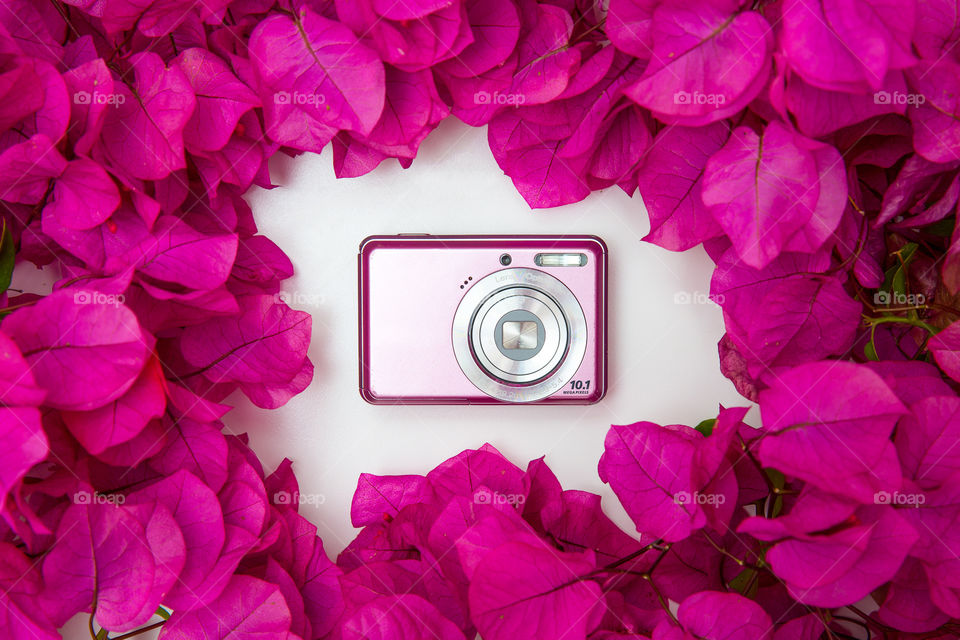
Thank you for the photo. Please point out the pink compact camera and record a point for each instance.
(483, 319)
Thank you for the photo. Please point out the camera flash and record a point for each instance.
(560, 259)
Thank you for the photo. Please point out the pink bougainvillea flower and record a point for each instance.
(707, 62)
(18, 387)
(649, 468)
(545, 62)
(322, 81)
(908, 606)
(774, 192)
(832, 552)
(245, 350)
(936, 134)
(412, 110)
(26, 169)
(520, 590)
(221, 100)
(819, 112)
(785, 314)
(925, 440)
(89, 332)
(122, 419)
(198, 514)
(945, 347)
(247, 609)
(23, 442)
(671, 182)
(628, 25)
(935, 515)
(401, 616)
(22, 612)
(829, 423)
(151, 17)
(847, 46)
(718, 616)
(84, 195)
(411, 35)
(495, 25)
(380, 496)
(197, 447)
(100, 561)
(142, 136)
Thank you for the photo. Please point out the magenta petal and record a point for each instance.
(397, 617)
(723, 616)
(847, 46)
(649, 468)
(316, 78)
(26, 169)
(908, 606)
(829, 423)
(808, 627)
(761, 193)
(120, 420)
(143, 135)
(221, 100)
(671, 182)
(17, 384)
(22, 444)
(945, 347)
(197, 447)
(197, 512)
(849, 565)
(546, 62)
(525, 591)
(322, 594)
(808, 214)
(706, 64)
(380, 497)
(101, 561)
(925, 441)
(90, 86)
(936, 132)
(248, 609)
(265, 345)
(820, 112)
(83, 196)
(496, 27)
(806, 319)
(22, 614)
(165, 540)
(89, 332)
(628, 26)
(462, 474)
(179, 254)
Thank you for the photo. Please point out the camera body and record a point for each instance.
(483, 319)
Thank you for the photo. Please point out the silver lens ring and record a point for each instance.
(467, 313)
(551, 351)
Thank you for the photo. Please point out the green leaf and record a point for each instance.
(706, 427)
(6, 257)
(895, 277)
(743, 581)
(776, 478)
(870, 350)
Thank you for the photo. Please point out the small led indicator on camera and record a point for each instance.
(505, 259)
(560, 259)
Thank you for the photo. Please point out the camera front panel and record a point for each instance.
(469, 319)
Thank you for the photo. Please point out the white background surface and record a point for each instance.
(663, 364)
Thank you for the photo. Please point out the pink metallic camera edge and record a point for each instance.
(410, 287)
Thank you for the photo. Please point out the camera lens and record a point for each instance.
(505, 259)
